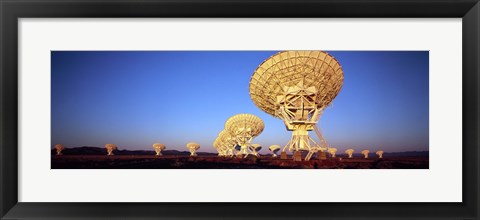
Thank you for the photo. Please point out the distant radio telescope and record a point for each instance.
(274, 149)
(349, 152)
(59, 148)
(158, 148)
(297, 86)
(110, 148)
(244, 127)
(332, 151)
(365, 153)
(380, 153)
(254, 148)
(193, 147)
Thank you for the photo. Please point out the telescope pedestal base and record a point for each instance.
(297, 156)
(322, 155)
(283, 155)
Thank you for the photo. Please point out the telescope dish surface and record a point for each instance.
(313, 72)
(244, 123)
(193, 145)
(159, 146)
(274, 148)
(216, 142)
(110, 146)
(224, 136)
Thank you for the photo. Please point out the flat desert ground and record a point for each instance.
(215, 162)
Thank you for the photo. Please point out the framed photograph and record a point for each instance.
(255, 110)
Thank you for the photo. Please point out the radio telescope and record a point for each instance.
(110, 148)
(228, 142)
(220, 147)
(349, 152)
(59, 148)
(332, 151)
(158, 148)
(297, 86)
(193, 147)
(255, 148)
(380, 153)
(216, 145)
(244, 127)
(365, 153)
(274, 149)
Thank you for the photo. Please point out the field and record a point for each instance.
(214, 162)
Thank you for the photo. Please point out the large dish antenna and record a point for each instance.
(228, 142)
(244, 127)
(296, 86)
(220, 147)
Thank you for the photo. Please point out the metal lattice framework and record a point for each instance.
(216, 145)
(220, 147)
(158, 147)
(296, 86)
(244, 127)
(193, 147)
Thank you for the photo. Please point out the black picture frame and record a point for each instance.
(12, 10)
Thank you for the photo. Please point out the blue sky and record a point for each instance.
(136, 98)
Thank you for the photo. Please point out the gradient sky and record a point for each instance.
(136, 98)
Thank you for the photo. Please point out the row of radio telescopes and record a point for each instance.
(294, 86)
(236, 150)
(158, 147)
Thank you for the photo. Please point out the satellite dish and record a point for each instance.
(193, 147)
(59, 148)
(244, 127)
(296, 86)
(349, 152)
(158, 148)
(219, 145)
(380, 153)
(254, 148)
(332, 151)
(110, 148)
(274, 149)
(365, 153)
(216, 145)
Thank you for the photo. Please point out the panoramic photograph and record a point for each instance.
(291, 109)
